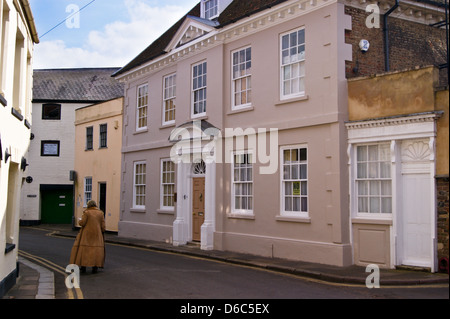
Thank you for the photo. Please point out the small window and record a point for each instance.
(89, 138)
(139, 185)
(242, 84)
(103, 135)
(51, 111)
(373, 179)
(142, 107)
(293, 64)
(167, 184)
(50, 148)
(199, 89)
(242, 191)
(87, 190)
(170, 93)
(294, 180)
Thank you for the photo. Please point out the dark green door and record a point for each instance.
(56, 204)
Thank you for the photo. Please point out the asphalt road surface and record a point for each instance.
(136, 273)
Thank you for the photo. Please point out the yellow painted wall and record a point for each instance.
(392, 94)
(401, 93)
(102, 164)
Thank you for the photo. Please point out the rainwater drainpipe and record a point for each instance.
(386, 35)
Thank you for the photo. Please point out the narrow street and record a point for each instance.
(137, 273)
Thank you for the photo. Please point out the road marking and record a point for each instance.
(61, 270)
(298, 276)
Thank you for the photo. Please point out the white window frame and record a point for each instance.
(169, 96)
(87, 191)
(370, 180)
(300, 61)
(136, 185)
(237, 78)
(206, 12)
(242, 211)
(169, 183)
(139, 107)
(292, 213)
(202, 87)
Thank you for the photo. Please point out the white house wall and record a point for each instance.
(15, 121)
(47, 169)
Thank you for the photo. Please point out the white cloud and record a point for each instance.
(117, 44)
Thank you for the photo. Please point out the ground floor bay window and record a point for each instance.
(392, 191)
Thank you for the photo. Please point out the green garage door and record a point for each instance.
(56, 204)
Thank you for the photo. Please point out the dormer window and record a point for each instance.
(211, 9)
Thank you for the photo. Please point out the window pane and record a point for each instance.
(386, 188)
(288, 188)
(385, 170)
(288, 204)
(362, 205)
(386, 205)
(285, 42)
(301, 36)
(304, 204)
(385, 152)
(361, 153)
(304, 188)
(296, 204)
(373, 152)
(303, 154)
(374, 187)
(303, 172)
(363, 188)
(374, 205)
(373, 170)
(294, 171)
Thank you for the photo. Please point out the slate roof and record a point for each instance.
(235, 11)
(76, 85)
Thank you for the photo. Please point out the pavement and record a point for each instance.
(37, 282)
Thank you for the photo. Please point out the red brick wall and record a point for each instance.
(411, 44)
(442, 226)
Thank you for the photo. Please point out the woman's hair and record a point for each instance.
(91, 203)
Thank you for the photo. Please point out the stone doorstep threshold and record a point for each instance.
(413, 268)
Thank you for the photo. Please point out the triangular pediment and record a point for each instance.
(191, 29)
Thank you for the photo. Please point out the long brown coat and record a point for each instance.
(89, 247)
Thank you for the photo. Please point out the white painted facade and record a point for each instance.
(408, 233)
(49, 170)
(17, 38)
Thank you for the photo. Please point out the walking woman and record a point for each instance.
(89, 247)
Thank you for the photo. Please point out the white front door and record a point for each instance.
(417, 242)
(417, 213)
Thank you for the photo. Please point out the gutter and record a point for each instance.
(386, 35)
(30, 20)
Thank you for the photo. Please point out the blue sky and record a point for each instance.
(110, 32)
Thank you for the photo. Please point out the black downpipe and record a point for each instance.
(386, 36)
